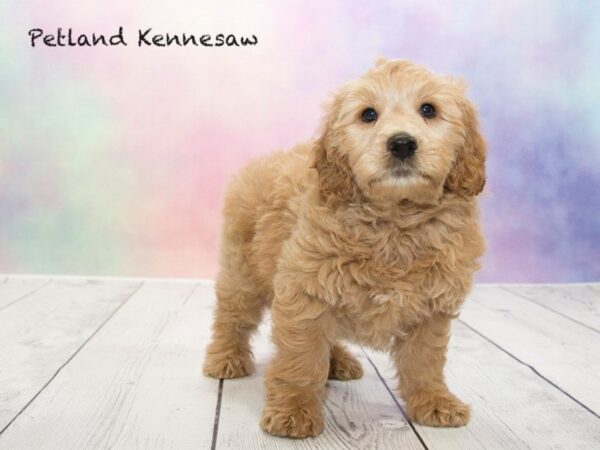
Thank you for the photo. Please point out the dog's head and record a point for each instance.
(400, 132)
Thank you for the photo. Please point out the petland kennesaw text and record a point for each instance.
(145, 38)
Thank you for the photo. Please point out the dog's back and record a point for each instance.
(257, 217)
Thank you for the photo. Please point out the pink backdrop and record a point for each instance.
(114, 160)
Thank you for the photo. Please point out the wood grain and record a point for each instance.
(109, 363)
(564, 352)
(136, 384)
(40, 332)
(360, 414)
(579, 302)
(14, 289)
(512, 407)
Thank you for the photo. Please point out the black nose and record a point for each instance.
(402, 145)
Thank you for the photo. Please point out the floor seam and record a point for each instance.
(533, 369)
(18, 299)
(70, 359)
(412, 426)
(518, 294)
(213, 445)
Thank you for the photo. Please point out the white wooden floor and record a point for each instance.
(93, 363)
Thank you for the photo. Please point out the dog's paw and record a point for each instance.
(228, 365)
(344, 367)
(437, 409)
(301, 422)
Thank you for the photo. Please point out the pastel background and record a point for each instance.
(113, 160)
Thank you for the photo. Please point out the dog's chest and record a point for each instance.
(399, 278)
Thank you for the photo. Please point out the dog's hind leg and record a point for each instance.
(343, 365)
(238, 313)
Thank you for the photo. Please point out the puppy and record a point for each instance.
(368, 234)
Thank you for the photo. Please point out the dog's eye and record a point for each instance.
(427, 110)
(369, 115)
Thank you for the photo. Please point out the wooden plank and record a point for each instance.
(136, 384)
(511, 406)
(559, 349)
(14, 289)
(360, 414)
(579, 302)
(40, 332)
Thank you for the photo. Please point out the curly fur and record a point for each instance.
(341, 247)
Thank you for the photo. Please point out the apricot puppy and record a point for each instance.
(368, 234)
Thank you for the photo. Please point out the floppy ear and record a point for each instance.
(335, 175)
(467, 176)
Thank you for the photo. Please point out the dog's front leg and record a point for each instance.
(295, 379)
(419, 358)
